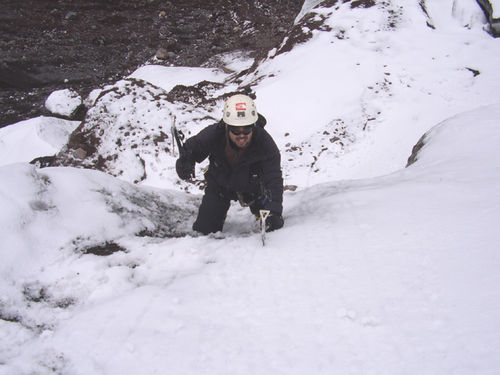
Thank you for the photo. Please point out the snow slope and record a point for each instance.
(395, 274)
(380, 70)
(380, 269)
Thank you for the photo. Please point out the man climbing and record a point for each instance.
(244, 166)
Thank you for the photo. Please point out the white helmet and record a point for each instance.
(240, 110)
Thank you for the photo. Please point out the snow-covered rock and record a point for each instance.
(63, 102)
(128, 124)
(92, 97)
(127, 131)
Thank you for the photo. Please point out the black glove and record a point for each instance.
(185, 167)
(274, 221)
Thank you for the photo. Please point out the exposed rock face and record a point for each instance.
(48, 45)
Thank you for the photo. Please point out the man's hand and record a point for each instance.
(185, 167)
(274, 221)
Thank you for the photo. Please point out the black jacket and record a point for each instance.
(257, 175)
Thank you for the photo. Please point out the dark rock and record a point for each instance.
(104, 249)
(362, 4)
(43, 161)
(415, 151)
(47, 45)
(475, 72)
(163, 54)
(488, 9)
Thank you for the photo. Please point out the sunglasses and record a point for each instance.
(237, 131)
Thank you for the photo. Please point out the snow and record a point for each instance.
(63, 102)
(375, 77)
(168, 77)
(394, 274)
(235, 61)
(306, 8)
(379, 269)
(42, 136)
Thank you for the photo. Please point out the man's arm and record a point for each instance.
(196, 149)
(201, 144)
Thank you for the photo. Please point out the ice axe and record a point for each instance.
(263, 217)
(180, 145)
(177, 138)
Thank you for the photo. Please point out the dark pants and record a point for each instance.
(213, 210)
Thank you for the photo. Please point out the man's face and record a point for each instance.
(238, 136)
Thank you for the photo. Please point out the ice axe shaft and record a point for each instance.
(180, 145)
(263, 217)
(176, 137)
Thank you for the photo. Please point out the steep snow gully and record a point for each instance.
(386, 264)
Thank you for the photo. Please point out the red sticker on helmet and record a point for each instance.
(241, 106)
